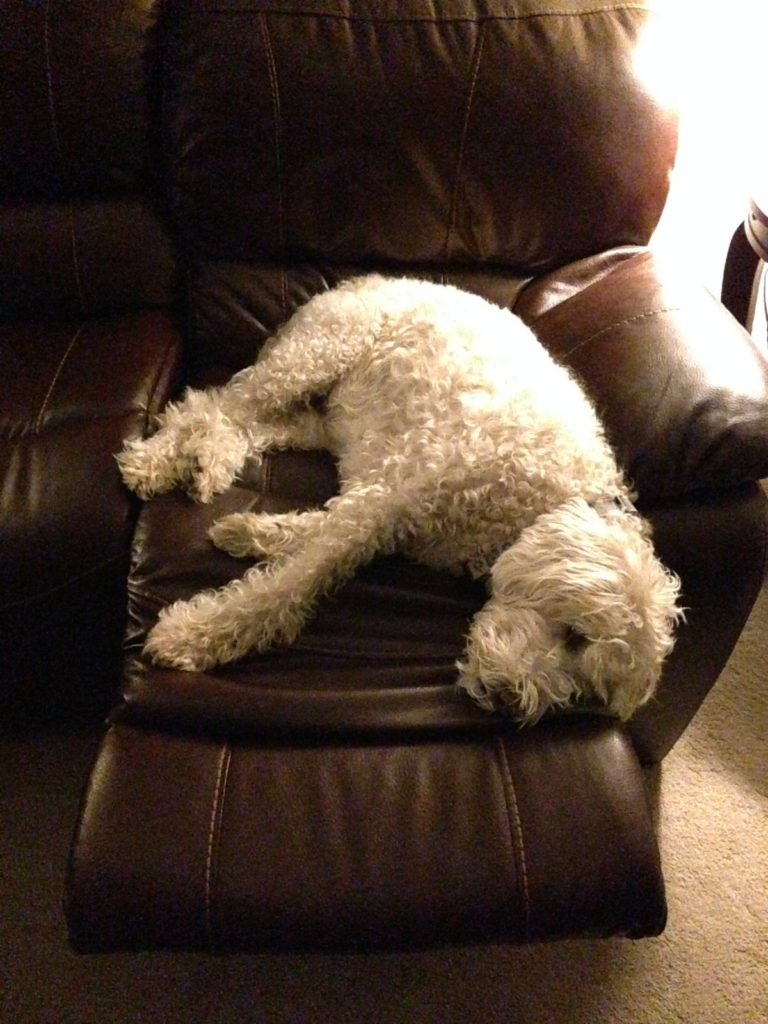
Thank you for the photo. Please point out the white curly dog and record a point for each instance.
(459, 442)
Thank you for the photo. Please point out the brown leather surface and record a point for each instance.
(716, 541)
(186, 842)
(512, 166)
(86, 356)
(679, 385)
(71, 393)
(379, 656)
(76, 118)
(80, 234)
(99, 258)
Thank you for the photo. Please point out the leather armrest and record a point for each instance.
(716, 541)
(679, 384)
(71, 394)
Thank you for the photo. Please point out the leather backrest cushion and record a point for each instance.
(78, 235)
(75, 105)
(382, 132)
(234, 307)
(68, 259)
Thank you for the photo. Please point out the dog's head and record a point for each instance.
(580, 609)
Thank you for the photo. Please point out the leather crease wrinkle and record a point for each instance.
(59, 150)
(55, 378)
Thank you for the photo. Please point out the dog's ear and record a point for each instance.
(597, 578)
(511, 662)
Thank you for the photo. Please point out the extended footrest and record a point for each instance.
(187, 842)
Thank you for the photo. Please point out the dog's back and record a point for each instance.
(447, 383)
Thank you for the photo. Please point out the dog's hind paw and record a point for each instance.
(205, 631)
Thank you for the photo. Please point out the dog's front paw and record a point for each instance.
(214, 462)
(235, 535)
(147, 467)
(180, 640)
(197, 447)
(273, 536)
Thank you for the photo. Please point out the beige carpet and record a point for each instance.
(710, 967)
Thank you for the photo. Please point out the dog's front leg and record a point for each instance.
(203, 442)
(269, 607)
(272, 536)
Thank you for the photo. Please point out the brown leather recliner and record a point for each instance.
(342, 793)
(88, 349)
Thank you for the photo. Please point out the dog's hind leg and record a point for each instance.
(309, 353)
(270, 606)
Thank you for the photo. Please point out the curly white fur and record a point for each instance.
(459, 442)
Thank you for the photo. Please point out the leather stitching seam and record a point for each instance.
(622, 323)
(515, 831)
(55, 378)
(57, 145)
(585, 11)
(214, 833)
(277, 116)
(474, 73)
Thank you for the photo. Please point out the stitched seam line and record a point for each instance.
(74, 250)
(92, 571)
(438, 20)
(516, 832)
(54, 380)
(214, 832)
(622, 323)
(60, 152)
(49, 80)
(277, 115)
(474, 72)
